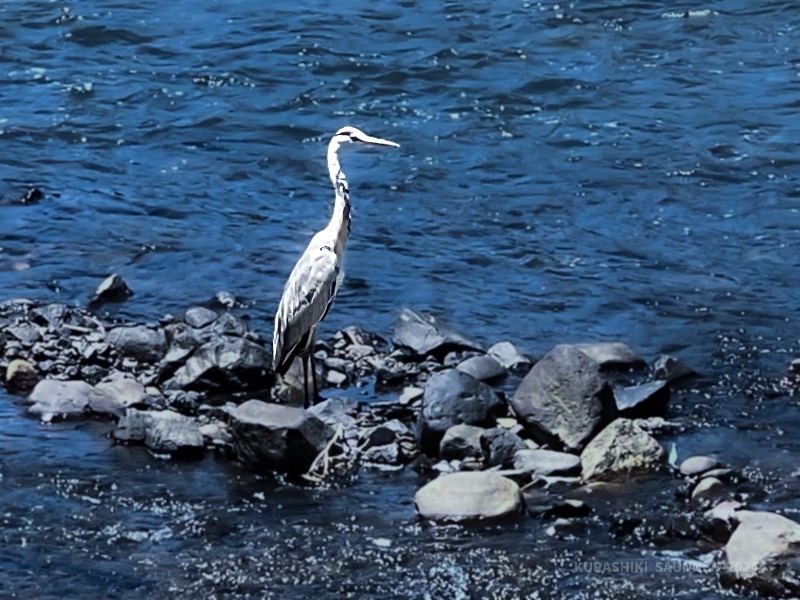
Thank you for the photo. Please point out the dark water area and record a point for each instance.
(567, 172)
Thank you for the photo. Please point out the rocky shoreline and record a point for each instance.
(582, 417)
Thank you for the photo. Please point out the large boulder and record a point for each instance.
(763, 554)
(277, 437)
(425, 334)
(620, 448)
(468, 496)
(451, 398)
(53, 398)
(225, 364)
(564, 399)
(162, 431)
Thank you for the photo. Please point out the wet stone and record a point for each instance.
(642, 401)
(53, 398)
(452, 398)
(697, 465)
(669, 368)
(276, 437)
(112, 289)
(468, 496)
(27, 333)
(139, 342)
(541, 462)
(162, 431)
(621, 447)
(611, 354)
(483, 368)
(113, 397)
(199, 316)
(461, 441)
(564, 399)
(500, 446)
(708, 489)
(508, 356)
(762, 554)
(425, 334)
(21, 376)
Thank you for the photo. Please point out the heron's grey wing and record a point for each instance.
(305, 301)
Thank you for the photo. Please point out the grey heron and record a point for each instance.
(318, 274)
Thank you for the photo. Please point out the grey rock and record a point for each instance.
(224, 364)
(451, 398)
(139, 342)
(697, 465)
(21, 376)
(51, 315)
(336, 411)
(508, 356)
(425, 334)
(276, 437)
(620, 448)
(720, 521)
(707, 490)
(199, 316)
(27, 333)
(113, 397)
(410, 395)
(642, 401)
(669, 368)
(482, 367)
(52, 398)
(162, 431)
(335, 378)
(564, 399)
(611, 354)
(762, 554)
(545, 463)
(112, 289)
(468, 496)
(225, 299)
(387, 433)
(460, 442)
(500, 446)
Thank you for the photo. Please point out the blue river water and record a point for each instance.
(574, 171)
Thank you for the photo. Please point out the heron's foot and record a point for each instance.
(319, 398)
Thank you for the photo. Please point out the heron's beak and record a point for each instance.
(368, 139)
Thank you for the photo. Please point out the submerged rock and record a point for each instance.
(468, 496)
(425, 334)
(199, 316)
(763, 554)
(52, 398)
(620, 448)
(564, 399)
(451, 398)
(277, 437)
(112, 289)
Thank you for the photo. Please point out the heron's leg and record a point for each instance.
(305, 379)
(317, 397)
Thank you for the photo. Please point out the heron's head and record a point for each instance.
(351, 135)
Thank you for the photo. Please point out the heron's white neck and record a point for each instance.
(340, 221)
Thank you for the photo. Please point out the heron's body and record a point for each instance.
(318, 274)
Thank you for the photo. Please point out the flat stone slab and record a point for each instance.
(547, 462)
(468, 496)
(53, 398)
